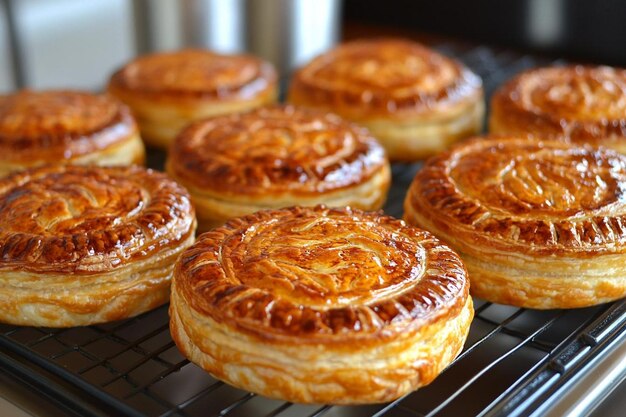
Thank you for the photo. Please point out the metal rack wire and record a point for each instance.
(514, 359)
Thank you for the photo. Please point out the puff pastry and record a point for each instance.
(583, 105)
(539, 224)
(84, 245)
(167, 91)
(276, 157)
(318, 305)
(414, 100)
(66, 127)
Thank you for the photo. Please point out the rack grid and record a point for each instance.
(513, 362)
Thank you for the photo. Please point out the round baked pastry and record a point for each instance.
(414, 100)
(167, 91)
(583, 105)
(277, 157)
(84, 245)
(318, 305)
(538, 224)
(66, 127)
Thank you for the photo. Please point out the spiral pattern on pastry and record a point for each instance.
(555, 209)
(66, 126)
(415, 101)
(82, 245)
(577, 103)
(359, 287)
(386, 76)
(195, 73)
(276, 149)
(276, 157)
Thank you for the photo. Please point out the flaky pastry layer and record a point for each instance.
(540, 224)
(213, 209)
(69, 300)
(129, 152)
(309, 374)
(411, 140)
(320, 305)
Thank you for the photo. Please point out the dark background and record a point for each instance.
(583, 30)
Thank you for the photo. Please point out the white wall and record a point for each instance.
(73, 43)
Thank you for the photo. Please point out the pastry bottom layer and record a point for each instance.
(500, 127)
(543, 290)
(161, 122)
(303, 371)
(213, 210)
(66, 300)
(127, 152)
(535, 281)
(417, 139)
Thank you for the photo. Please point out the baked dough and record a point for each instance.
(414, 100)
(276, 157)
(583, 105)
(85, 245)
(317, 305)
(538, 224)
(167, 91)
(66, 127)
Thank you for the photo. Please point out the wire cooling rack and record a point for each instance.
(514, 360)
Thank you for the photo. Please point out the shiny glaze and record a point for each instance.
(386, 76)
(332, 274)
(53, 125)
(275, 149)
(538, 196)
(578, 103)
(88, 219)
(195, 73)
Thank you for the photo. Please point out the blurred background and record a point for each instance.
(78, 43)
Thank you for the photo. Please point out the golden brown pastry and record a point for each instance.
(318, 305)
(66, 127)
(167, 91)
(84, 245)
(276, 157)
(578, 104)
(538, 224)
(414, 100)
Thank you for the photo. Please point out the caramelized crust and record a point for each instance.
(413, 99)
(528, 216)
(578, 104)
(275, 157)
(273, 150)
(63, 127)
(390, 77)
(167, 91)
(106, 233)
(195, 73)
(320, 283)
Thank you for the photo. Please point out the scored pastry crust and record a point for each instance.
(66, 127)
(539, 224)
(85, 245)
(167, 91)
(318, 305)
(578, 104)
(276, 157)
(414, 100)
